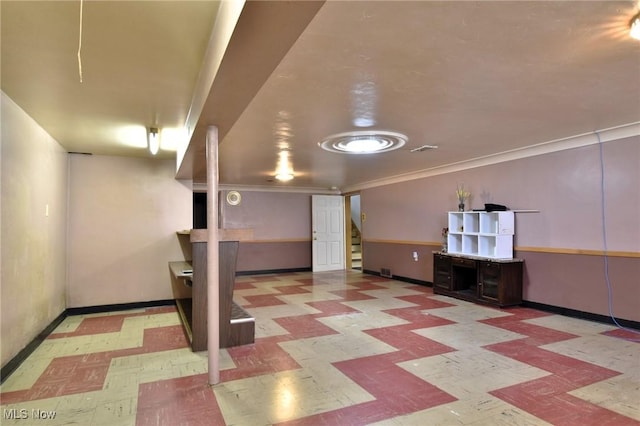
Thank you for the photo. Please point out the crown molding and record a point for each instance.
(202, 187)
(577, 141)
(599, 136)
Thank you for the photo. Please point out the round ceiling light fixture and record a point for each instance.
(363, 142)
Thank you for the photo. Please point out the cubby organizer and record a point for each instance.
(484, 234)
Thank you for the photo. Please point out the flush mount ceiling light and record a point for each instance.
(284, 176)
(154, 140)
(363, 142)
(634, 24)
(284, 169)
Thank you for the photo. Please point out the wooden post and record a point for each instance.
(213, 274)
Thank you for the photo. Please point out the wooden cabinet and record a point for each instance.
(489, 274)
(442, 272)
(490, 281)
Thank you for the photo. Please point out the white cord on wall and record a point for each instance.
(603, 209)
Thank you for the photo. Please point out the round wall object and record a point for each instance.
(234, 198)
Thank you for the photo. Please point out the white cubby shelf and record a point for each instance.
(480, 233)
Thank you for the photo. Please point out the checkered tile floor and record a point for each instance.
(337, 348)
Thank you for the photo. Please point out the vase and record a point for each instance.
(461, 207)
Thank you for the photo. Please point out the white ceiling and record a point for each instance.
(474, 78)
(140, 61)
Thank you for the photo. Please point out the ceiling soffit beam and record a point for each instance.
(264, 33)
(226, 19)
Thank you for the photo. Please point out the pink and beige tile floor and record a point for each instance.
(338, 348)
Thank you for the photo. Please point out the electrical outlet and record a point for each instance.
(415, 256)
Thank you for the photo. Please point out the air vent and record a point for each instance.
(424, 148)
(385, 272)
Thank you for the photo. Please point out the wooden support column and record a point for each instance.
(213, 274)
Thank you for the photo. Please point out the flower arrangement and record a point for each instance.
(462, 196)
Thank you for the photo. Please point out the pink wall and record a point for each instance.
(280, 255)
(281, 222)
(564, 186)
(398, 257)
(578, 282)
(271, 215)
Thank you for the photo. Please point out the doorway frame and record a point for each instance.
(347, 231)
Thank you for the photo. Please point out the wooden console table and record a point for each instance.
(237, 327)
(495, 282)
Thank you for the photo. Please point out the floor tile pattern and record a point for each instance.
(335, 348)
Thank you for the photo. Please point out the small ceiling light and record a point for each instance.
(284, 176)
(635, 26)
(154, 140)
(363, 142)
(284, 169)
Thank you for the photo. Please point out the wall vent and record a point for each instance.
(385, 272)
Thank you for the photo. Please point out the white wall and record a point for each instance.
(123, 217)
(33, 271)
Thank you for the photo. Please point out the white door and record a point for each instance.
(327, 232)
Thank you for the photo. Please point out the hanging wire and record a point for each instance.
(80, 44)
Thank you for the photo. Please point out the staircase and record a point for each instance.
(356, 248)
